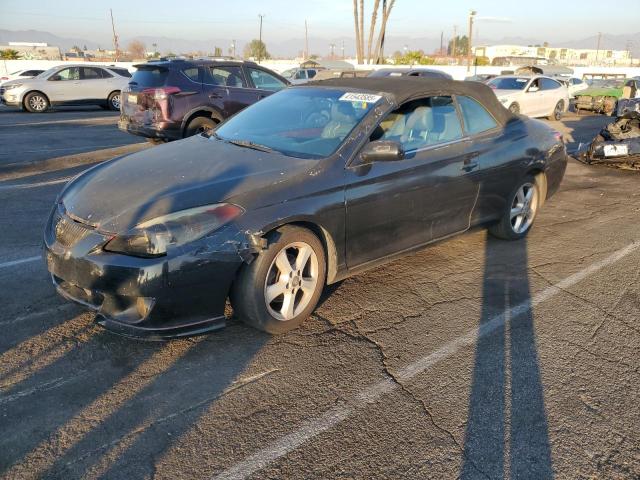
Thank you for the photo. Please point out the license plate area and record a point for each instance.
(615, 150)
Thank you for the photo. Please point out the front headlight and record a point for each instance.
(12, 85)
(153, 237)
(504, 101)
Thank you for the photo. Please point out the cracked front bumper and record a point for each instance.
(175, 295)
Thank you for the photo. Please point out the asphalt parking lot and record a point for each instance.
(474, 358)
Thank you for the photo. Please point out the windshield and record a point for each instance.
(300, 122)
(607, 83)
(509, 83)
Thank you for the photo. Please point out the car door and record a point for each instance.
(227, 89)
(93, 84)
(63, 86)
(489, 146)
(263, 82)
(533, 101)
(395, 206)
(553, 92)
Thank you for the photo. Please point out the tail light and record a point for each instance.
(558, 136)
(4, 78)
(161, 93)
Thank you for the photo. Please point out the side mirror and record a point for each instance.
(382, 151)
(533, 89)
(55, 78)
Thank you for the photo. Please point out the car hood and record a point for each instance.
(117, 195)
(602, 91)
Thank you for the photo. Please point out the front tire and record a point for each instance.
(557, 111)
(282, 286)
(36, 102)
(520, 213)
(514, 108)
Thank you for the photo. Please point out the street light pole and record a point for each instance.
(472, 14)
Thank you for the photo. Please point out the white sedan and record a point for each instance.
(19, 75)
(534, 96)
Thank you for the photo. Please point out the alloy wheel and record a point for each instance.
(557, 113)
(37, 102)
(291, 281)
(115, 102)
(523, 208)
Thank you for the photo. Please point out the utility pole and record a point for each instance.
(260, 46)
(454, 51)
(472, 14)
(306, 40)
(342, 49)
(115, 37)
(598, 47)
(332, 46)
(441, 42)
(233, 49)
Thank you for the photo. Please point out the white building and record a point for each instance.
(509, 54)
(34, 50)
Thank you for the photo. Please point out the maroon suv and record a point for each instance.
(173, 99)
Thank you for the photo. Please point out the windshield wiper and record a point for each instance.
(250, 144)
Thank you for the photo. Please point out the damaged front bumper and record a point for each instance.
(618, 143)
(180, 294)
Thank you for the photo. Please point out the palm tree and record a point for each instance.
(9, 54)
(357, 24)
(372, 27)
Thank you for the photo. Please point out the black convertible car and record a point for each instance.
(304, 188)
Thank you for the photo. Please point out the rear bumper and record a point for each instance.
(148, 131)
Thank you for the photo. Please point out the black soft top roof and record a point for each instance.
(407, 88)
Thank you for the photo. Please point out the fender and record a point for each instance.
(214, 113)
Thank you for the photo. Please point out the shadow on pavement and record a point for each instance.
(507, 434)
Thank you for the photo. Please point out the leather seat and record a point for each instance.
(343, 119)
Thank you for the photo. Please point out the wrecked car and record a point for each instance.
(603, 94)
(307, 187)
(618, 144)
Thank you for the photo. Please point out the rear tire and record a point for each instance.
(36, 102)
(113, 102)
(155, 141)
(200, 125)
(520, 211)
(514, 108)
(263, 290)
(557, 111)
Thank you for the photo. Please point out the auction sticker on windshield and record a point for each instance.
(360, 97)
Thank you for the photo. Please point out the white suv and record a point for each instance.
(67, 85)
(534, 96)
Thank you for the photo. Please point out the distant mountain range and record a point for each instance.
(294, 46)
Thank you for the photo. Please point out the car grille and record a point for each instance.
(68, 233)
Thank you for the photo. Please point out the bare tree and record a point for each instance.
(372, 27)
(361, 39)
(137, 49)
(357, 24)
(383, 27)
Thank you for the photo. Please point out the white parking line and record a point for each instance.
(46, 183)
(311, 428)
(20, 261)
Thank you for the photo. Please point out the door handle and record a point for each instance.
(470, 162)
(214, 95)
(468, 166)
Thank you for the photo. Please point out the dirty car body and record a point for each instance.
(236, 190)
(618, 144)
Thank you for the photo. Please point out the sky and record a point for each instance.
(547, 20)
